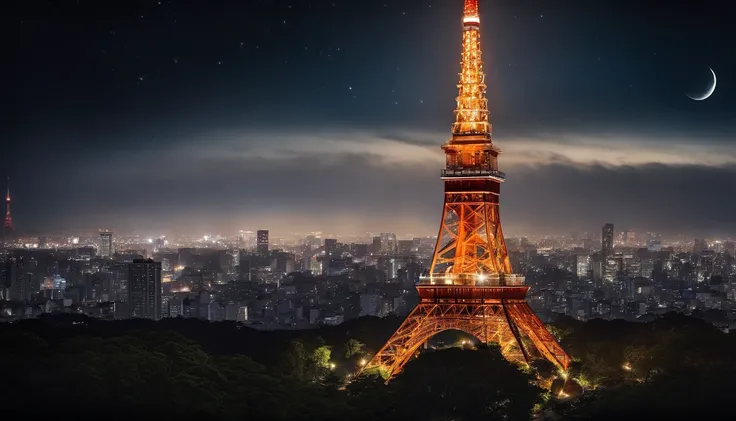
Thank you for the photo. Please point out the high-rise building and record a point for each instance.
(406, 248)
(282, 262)
(15, 279)
(376, 245)
(144, 289)
(389, 244)
(597, 267)
(359, 251)
(262, 242)
(607, 240)
(330, 247)
(106, 248)
(654, 244)
(370, 304)
(582, 266)
(6, 262)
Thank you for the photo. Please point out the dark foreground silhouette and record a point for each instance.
(72, 366)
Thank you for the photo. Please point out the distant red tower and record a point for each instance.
(470, 285)
(8, 228)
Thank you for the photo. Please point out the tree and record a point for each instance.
(559, 332)
(321, 356)
(353, 347)
(371, 398)
(318, 365)
(295, 360)
(465, 384)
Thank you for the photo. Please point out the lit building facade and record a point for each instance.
(144, 289)
(262, 242)
(106, 247)
(607, 240)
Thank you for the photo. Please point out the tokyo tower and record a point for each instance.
(8, 225)
(470, 285)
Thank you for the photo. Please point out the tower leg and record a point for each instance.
(515, 330)
(533, 328)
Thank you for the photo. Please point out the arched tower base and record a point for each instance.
(497, 314)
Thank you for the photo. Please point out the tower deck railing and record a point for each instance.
(480, 280)
(472, 172)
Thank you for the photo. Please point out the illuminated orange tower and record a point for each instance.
(470, 285)
(8, 225)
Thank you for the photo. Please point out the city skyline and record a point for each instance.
(186, 133)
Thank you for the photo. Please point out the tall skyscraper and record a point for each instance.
(607, 240)
(330, 247)
(15, 281)
(106, 249)
(6, 261)
(609, 266)
(144, 289)
(262, 242)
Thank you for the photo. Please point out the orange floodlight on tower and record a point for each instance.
(470, 285)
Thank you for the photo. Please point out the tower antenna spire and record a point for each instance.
(471, 114)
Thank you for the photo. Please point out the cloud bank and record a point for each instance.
(362, 181)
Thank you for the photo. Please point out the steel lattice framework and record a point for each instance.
(470, 240)
(470, 285)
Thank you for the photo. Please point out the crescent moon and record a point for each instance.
(710, 91)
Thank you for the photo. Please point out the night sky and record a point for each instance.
(302, 115)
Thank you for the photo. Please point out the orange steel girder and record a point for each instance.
(470, 240)
(504, 323)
